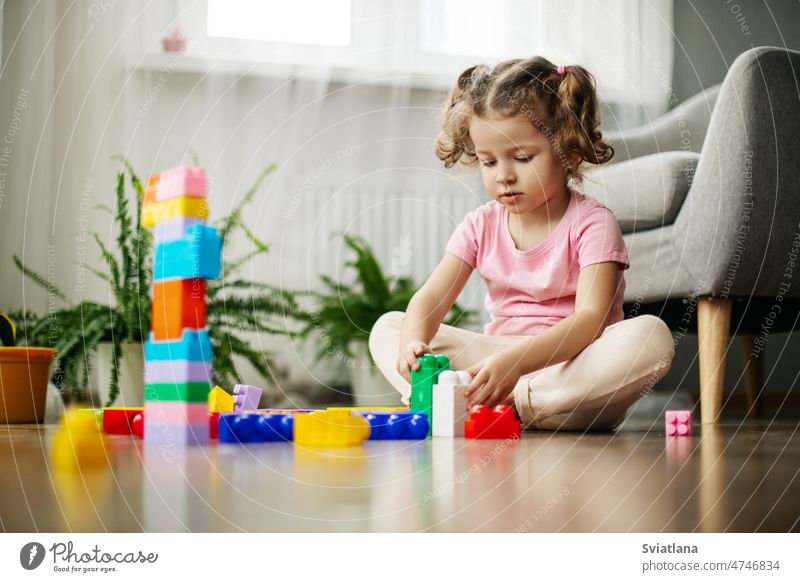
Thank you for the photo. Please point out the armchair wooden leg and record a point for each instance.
(713, 328)
(753, 376)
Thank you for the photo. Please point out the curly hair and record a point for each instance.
(562, 107)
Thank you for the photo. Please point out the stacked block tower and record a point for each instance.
(178, 351)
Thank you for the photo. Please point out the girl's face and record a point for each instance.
(519, 166)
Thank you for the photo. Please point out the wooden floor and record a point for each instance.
(741, 478)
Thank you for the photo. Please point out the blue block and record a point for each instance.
(198, 254)
(194, 346)
(255, 428)
(386, 426)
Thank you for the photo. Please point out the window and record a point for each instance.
(626, 44)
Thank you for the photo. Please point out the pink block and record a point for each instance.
(166, 412)
(181, 181)
(679, 422)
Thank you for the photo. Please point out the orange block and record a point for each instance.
(178, 304)
(149, 196)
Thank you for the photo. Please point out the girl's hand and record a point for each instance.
(407, 359)
(493, 380)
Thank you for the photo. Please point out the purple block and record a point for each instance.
(179, 435)
(173, 371)
(174, 228)
(245, 397)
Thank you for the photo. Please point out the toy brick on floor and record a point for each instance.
(219, 400)
(678, 422)
(386, 426)
(450, 404)
(422, 382)
(78, 444)
(244, 428)
(499, 422)
(325, 428)
(246, 397)
(137, 425)
(118, 420)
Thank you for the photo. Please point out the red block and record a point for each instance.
(213, 425)
(178, 304)
(137, 425)
(118, 420)
(497, 423)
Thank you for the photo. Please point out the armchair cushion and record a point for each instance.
(645, 192)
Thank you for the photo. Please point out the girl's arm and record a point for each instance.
(495, 377)
(428, 307)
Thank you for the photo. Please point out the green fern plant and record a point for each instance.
(234, 305)
(345, 313)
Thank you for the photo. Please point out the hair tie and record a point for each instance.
(562, 70)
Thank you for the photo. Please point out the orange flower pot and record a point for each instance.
(24, 372)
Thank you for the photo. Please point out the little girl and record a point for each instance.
(557, 347)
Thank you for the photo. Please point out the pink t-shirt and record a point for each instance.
(529, 291)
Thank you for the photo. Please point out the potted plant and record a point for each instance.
(24, 371)
(234, 305)
(345, 313)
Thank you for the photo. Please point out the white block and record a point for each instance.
(449, 409)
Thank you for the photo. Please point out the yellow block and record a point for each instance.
(78, 444)
(330, 428)
(219, 400)
(187, 206)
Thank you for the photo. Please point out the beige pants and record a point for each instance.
(593, 390)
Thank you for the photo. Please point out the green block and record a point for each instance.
(178, 391)
(422, 382)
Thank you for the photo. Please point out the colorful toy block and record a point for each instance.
(246, 397)
(161, 433)
(188, 206)
(499, 422)
(173, 228)
(678, 422)
(422, 382)
(196, 255)
(219, 400)
(183, 391)
(181, 181)
(170, 371)
(325, 428)
(396, 425)
(137, 425)
(255, 428)
(449, 403)
(194, 346)
(213, 425)
(78, 444)
(177, 304)
(176, 411)
(118, 420)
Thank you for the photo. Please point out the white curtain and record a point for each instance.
(77, 86)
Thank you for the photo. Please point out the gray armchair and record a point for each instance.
(708, 199)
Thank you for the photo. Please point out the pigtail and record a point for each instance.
(453, 140)
(580, 121)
